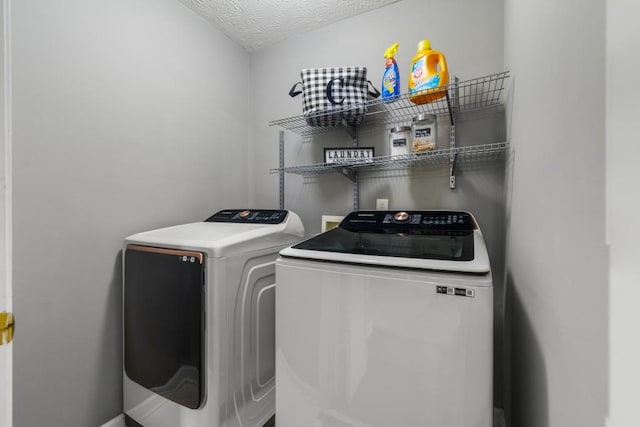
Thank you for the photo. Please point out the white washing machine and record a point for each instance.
(385, 321)
(199, 320)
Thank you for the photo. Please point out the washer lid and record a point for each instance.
(435, 240)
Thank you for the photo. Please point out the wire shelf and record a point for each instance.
(461, 96)
(437, 157)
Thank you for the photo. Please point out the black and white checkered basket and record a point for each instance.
(334, 96)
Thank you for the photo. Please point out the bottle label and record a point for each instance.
(389, 85)
(421, 80)
(400, 142)
(423, 133)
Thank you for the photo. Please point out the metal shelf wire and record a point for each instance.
(461, 96)
(473, 153)
(467, 95)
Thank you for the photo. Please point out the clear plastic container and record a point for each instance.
(424, 133)
(399, 141)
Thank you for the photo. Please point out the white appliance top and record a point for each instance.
(228, 233)
(425, 240)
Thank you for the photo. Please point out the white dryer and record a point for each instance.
(199, 320)
(384, 321)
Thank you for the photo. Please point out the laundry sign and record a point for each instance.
(348, 155)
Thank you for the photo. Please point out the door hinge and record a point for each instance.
(7, 326)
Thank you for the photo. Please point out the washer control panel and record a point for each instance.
(244, 216)
(419, 220)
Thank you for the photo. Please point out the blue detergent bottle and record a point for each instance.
(391, 76)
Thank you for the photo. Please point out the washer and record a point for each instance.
(384, 321)
(199, 320)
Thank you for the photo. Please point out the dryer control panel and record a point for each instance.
(244, 216)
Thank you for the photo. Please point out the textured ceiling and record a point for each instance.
(255, 24)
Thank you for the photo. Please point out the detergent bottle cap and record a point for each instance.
(391, 51)
(424, 45)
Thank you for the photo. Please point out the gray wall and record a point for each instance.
(623, 203)
(125, 120)
(556, 255)
(5, 298)
(128, 115)
(470, 34)
(3, 179)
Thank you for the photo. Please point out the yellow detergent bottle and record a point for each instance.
(429, 74)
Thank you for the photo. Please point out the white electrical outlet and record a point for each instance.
(382, 204)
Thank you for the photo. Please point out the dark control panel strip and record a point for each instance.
(244, 216)
(460, 292)
(409, 220)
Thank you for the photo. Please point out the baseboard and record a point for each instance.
(116, 422)
(119, 422)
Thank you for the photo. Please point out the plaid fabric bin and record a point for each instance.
(334, 96)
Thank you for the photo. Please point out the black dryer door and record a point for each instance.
(164, 322)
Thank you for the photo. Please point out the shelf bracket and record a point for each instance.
(351, 129)
(453, 99)
(355, 178)
(349, 173)
(452, 158)
(452, 171)
(281, 155)
(450, 108)
(452, 135)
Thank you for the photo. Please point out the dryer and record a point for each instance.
(199, 320)
(386, 320)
